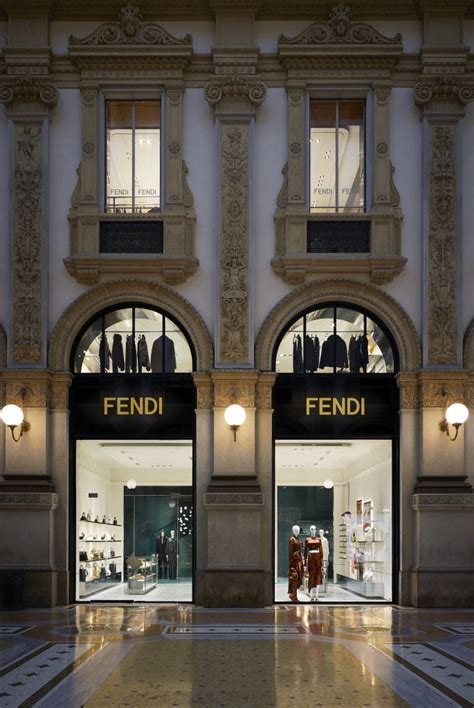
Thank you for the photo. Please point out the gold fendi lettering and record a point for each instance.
(124, 405)
(335, 406)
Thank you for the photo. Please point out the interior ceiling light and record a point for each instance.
(328, 484)
(132, 483)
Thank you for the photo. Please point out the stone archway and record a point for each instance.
(469, 347)
(119, 291)
(354, 292)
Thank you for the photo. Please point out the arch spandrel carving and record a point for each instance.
(357, 293)
(469, 347)
(3, 348)
(119, 291)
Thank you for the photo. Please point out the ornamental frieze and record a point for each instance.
(27, 244)
(442, 301)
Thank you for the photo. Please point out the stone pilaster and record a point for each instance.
(28, 101)
(235, 99)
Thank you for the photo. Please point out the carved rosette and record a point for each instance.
(234, 276)
(442, 301)
(27, 244)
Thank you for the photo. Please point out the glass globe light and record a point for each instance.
(235, 415)
(132, 483)
(457, 414)
(328, 484)
(12, 415)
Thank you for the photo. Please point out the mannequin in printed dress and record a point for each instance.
(313, 561)
(295, 564)
(325, 543)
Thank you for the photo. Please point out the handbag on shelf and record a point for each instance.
(95, 553)
(103, 574)
(83, 517)
(83, 555)
(112, 553)
(102, 554)
(113, 568)
(95, 571)
(83, 574)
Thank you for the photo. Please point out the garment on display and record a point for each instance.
(163, 356)
(334, 353)
(295, 564)
(313, 560)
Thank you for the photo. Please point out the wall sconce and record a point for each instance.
(234, 416)
(456, 415)
(13, 417)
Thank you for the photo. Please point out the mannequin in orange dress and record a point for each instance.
(313, 561)
(295, 564)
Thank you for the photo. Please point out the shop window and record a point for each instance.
(133, 157)
(133, 340)
(337, 156)
(335, 340)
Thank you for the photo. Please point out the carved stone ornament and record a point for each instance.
(129, 30)
(439, 500)
(27, 244)
(409, 391)
(282, 198)
(340, 29)
(29, 499)
(468, 355)
(233, 88)
(444, 88)
(234, 276)
(442, 301)
(231, 498)
(27, 89)
(226, 393)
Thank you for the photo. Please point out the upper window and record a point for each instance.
(131, 340)
(335, 339)
(337, 156)
(132, 157)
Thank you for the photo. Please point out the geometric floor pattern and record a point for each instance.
(287, 655)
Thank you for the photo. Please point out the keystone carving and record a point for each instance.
(130, 30)
(339, 29)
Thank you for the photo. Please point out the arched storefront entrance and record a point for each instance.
(336, 456)
(132, 430)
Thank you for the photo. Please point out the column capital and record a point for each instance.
(235, 94)
(29, 91)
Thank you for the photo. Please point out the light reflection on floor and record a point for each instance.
(180, 655)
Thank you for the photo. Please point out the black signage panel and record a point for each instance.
(335, 406)
(133, 406)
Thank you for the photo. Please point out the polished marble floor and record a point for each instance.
(179, 655)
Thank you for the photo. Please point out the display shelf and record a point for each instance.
(98, 560)
(92, 587)
(143, 579)
(100, 540)
(98, 523)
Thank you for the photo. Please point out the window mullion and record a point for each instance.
(133, 157)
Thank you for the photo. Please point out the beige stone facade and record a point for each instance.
(234, 81)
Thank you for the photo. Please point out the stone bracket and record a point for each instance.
(379, 269)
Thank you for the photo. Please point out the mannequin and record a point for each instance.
(313, 560)
(162, 553)
(325, 543)
(172, 555)
(295, 564)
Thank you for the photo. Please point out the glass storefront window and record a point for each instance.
(133, 340)
(133, 157)
(335, 340)
(134, 520)
(337, 156)
(352, 560)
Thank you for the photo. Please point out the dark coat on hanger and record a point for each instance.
(334, 353)
(104, 353)
(143, 356)
(297, 354)
(157, 355)
(130, 353)
(118, 362)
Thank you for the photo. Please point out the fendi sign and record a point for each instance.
(133, 406)
(335, 406)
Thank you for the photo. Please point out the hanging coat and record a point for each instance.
(118, 362)
(157, 355)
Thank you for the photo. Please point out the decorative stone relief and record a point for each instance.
(29, 499)
(130, 30)
(442, 300)
(282, 199)
(230, 498)
(439, 394)
(188, 199)
(463, 500)
(27, 244)
(234, 275)
(444, 88)
(340, 29)
(235, 93)
(242, 393)
(28, 89)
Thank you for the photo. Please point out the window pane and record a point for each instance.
(119, 156)
(116, 351)
(179, 354)
(87, 355)
(147, 155)
(290, 352)
(148, 334)
(323, 155)
(380, 351)
(351, 155)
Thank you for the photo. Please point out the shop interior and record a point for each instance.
(343, 488)
(134, 520)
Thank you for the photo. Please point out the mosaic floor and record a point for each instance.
(178, 655)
